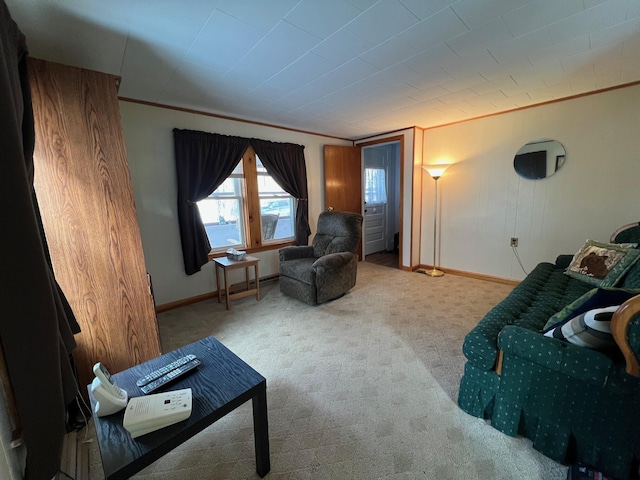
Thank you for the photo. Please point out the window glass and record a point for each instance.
(223, 212)
(375, 186)
(277, 214)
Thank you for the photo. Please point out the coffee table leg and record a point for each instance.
(261, 431)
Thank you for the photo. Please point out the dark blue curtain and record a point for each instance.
(285, 163)
(36, 331)
(203, 162)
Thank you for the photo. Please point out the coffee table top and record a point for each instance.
(220, 384)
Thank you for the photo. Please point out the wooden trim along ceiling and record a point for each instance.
(354, 141)
(227, 117)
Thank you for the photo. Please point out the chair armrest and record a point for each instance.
(563, 261)
(295, 251)
(625, 328)
(333, 260)
(581, 363)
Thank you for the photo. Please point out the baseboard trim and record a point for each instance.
(272, 278)
(478, 276)
(207, 296)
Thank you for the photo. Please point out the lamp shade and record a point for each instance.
(436, 171)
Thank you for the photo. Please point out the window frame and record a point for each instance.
(252, 214)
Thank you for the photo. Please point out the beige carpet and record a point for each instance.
(363, 387)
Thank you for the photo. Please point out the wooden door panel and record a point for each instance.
(343, 180)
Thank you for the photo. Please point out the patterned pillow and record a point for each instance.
(602, 264)
(591, 329)
(594, 298)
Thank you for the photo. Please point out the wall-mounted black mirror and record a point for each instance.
(539, 159)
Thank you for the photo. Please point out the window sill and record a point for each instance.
(263, 248)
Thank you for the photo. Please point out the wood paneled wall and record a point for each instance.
(83, 186)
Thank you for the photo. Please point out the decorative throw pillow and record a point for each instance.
(594, 298)
(602, 264)
(591, 329)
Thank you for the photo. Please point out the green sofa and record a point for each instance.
(576, 404)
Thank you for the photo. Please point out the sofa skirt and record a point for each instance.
(566, 419)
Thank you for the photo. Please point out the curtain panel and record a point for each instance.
(285, 163)
(36, 317)
(205, 160)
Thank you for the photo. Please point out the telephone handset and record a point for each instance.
(110, 398)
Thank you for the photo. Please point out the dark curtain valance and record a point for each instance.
(205, 160)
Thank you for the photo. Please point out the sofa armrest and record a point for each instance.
(563, 261)
(581, 363)
(295, 251)
(333, 261)
(625, 327)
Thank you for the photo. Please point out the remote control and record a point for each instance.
(170, 377)
(164, 370)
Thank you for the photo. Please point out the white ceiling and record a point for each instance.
(348, 68)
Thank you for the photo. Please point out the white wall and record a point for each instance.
(484, 202)
(149, 141)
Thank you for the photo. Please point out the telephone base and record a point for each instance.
(153, 412)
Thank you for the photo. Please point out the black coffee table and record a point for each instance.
(219, 385)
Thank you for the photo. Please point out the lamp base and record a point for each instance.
(434, 273)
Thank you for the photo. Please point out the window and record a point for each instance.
(249, 209)
(375, 186)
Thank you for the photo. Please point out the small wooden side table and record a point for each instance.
(226, 264)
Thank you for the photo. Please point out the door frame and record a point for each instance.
(399, 160)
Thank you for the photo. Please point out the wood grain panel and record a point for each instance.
(84, 190)
(343, 180)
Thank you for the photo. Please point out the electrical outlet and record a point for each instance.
(514, 241)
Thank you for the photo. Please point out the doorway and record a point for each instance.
(381, 191)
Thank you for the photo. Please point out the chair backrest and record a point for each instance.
(269, 223)
(337, 232)
(629, 233)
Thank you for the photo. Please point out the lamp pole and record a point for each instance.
(434, 271)
(436, 172)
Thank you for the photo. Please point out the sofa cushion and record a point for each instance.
(544, 292)
(594, 298)
(602, 264)
(591, 329)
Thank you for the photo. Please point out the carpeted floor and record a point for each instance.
(363, 387)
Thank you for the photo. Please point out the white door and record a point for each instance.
(375, 207)
(375, 220)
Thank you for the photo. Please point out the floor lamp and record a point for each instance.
(436, 172)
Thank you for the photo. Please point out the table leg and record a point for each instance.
(218, 283)
(261, 431)
(257, 282)
(226, 288)
(246, 277)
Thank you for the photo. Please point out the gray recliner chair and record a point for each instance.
(327, 268)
